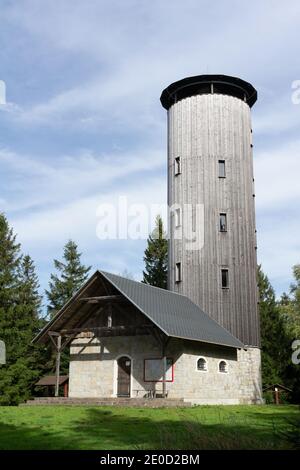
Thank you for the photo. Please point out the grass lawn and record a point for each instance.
(203, 427)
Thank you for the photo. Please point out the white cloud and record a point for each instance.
(60, 180)
(277, 115)
(43, 233)
(277, 172)
(277, 203)
(131, 51)
(278, 249)
(140, 48)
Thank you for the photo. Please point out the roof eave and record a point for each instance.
(239, 345)
(59, 314)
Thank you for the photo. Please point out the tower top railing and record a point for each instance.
(208, 84)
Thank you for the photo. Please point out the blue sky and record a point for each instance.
(83, 123)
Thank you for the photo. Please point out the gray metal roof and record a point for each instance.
(175, 314)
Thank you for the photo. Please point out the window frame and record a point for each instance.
(221, 162)
(178, 272)
(177, 217)
(226, 371)
(223, 270)
(222, 214)
(206, 364)
(177, 166)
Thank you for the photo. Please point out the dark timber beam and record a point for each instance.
(104, 329)
(102, 298)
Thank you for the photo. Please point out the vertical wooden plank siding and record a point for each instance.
(202, 130)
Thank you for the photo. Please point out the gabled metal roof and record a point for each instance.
(176, 315)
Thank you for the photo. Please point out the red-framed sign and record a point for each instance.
(153, 369)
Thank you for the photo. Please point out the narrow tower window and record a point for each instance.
(178, 272)
(222, 173)
(224, 277)
(177, 217)
(177, 166)
(223, 222)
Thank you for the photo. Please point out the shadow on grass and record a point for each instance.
(109, 429)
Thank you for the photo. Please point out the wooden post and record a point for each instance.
(109, 317)
(164, 364)
(277, 396)
(163, 341)
(57, 372)
(164, 377)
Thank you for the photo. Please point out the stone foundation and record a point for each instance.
(93, 370)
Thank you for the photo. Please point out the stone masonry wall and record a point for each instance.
(93, 370)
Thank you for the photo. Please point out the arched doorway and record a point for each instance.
(124, 376)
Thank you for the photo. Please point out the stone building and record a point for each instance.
(199, 340)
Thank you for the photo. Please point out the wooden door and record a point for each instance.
(124, 373)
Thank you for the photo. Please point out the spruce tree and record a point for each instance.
(156, 257)
(29, 287)
(10, 257)
(30, 304)
(19, 319)
(62, 286)
(70, 277)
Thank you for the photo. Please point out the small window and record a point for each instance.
(202, 364)
(225, 280)
(177, 166)
(178, 272)
(223, 223)
(223, 367)
(222, 173)
(177, 217)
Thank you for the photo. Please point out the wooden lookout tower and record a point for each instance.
(212, 252)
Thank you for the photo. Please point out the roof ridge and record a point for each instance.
(144, 284)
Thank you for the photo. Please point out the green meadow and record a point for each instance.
(107, 428)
